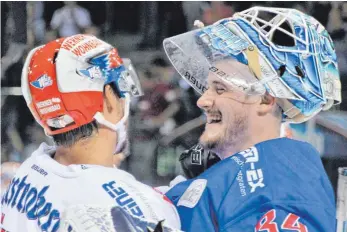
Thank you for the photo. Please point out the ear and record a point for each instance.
(267, 104)
(113, 108)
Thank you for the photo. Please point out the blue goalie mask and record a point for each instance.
(289, 54)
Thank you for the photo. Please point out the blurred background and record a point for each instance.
(165, 121)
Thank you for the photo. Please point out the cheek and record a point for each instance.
(231, 114)
(227, 111)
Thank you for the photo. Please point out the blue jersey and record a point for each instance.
(277, 185)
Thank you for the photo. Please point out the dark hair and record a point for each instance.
(85, 131)
(71, 137)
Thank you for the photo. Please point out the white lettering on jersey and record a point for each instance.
(254, 176)
(239, 177)
(38, 195)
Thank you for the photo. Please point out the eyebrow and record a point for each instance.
(219, 83)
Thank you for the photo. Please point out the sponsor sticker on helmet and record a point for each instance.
(49, 105)
(48, 102)
(50, 109)
(42, 82)
(82, 44)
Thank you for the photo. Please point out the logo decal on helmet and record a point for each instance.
(42, 82)
(223, 40)
(93, 72)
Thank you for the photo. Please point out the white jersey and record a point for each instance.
(42, 188)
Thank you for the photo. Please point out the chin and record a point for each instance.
(210, 141)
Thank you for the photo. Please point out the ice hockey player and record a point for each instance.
(79, 89)
(255, 70)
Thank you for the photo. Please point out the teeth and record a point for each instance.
(215, 118)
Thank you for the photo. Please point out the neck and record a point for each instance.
(258, 135)
(93, 150)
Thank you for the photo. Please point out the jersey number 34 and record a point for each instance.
(268, 224)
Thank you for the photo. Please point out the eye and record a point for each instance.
(220, 90)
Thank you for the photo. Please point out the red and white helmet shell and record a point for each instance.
(59, 97)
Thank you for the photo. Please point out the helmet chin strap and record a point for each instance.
(119, 127)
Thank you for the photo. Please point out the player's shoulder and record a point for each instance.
(42, 165)
(294, 165)
(285, 155)
(223, 174)
(276, 152)
(220, 176)
(283, 145)
(29, 163)
(100, 173)
(260, 169)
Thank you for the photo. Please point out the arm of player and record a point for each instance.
(93, 218)
(193, 203)
(299, 217)
(199, 200)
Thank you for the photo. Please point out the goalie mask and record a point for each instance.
(301, 73)
(63, 83)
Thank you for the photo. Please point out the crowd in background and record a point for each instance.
(163, 122)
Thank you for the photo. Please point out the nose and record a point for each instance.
(205, 102)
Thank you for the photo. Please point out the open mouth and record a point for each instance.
(212, 119)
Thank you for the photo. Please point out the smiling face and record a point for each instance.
(228, 111)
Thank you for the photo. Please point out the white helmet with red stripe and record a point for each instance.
(63, 83)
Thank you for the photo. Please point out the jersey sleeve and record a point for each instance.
(199, 200)
(194, 206)
(282, 218)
